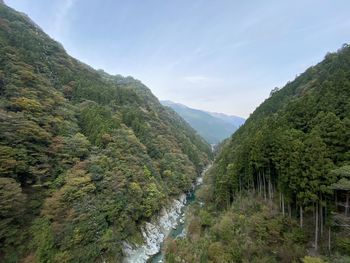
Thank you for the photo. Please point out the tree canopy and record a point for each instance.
(85, 157)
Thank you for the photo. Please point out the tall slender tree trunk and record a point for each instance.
(256, 185)
(321, 218)
(283, 204)
(329, 239)
(289, 210)
(301, 217)
(280, 199)
(260, 184)
(273, 189)
(316, 226)
(240, 185)
(269, 182)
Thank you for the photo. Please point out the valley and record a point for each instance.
(213, 127)
(95, 168)
(86, 158)
(273, 193)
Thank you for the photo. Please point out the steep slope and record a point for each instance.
(315, 107)
(85, 157)
(234, 120)
(280, 170)
(213, 127)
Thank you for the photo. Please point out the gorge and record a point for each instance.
(95, 169)
(169, 223)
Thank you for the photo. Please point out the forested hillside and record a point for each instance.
(213, 127)
(85, 157)
(283, 179)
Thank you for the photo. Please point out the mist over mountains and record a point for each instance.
(213, 127)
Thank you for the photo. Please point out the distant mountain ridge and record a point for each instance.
(86, 158)
(235, 120)
(213, 127)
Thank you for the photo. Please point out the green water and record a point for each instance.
(175, 233)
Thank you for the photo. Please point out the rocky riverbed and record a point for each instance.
(170, 219)
(155, 232)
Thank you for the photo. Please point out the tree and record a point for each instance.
(316, 167)
(153, 199)
(12, 207)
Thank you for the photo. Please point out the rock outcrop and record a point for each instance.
(155, 232)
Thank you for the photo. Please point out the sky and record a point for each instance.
(222, 56)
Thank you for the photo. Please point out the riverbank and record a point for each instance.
(170, 222)
(180, 230)
(155, 232)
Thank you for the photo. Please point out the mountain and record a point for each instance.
(276, 191)
(213, 127)
(86, 158)
(234, 120)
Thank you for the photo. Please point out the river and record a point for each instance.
(179, 230)
(169, 223)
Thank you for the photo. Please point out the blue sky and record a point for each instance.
(222, 56)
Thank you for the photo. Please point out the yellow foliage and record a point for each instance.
(53, 207)
(308, 259)
(26, 104)
(135, 187)
(78, 237)
(78, 184)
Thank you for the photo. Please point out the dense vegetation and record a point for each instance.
(292, 156)
(213, 127)
(85, 157)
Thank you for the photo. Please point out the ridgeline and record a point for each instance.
(86, 158)
(279, 188)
